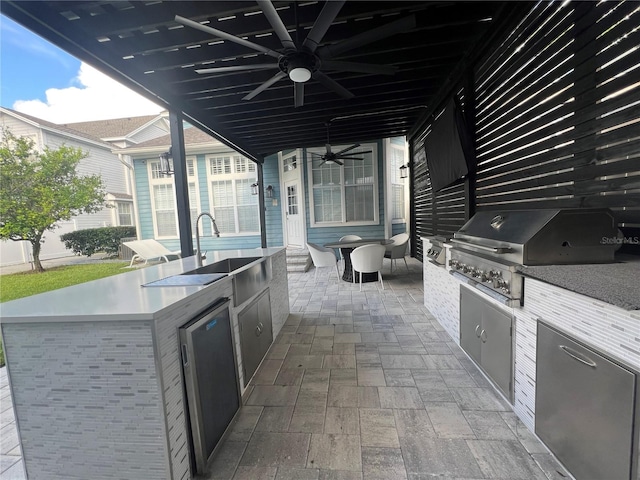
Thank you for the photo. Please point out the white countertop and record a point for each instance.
(120, 297)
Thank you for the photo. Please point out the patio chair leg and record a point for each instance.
(380, 277)
(360, 281)
(337, 272)
(405, 263)
(391, 260)
(315, 277)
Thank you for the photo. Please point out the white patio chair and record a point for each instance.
(397, 249)
(150, 249)
(368, 259)
(323, 257)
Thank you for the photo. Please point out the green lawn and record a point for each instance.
(24, 284)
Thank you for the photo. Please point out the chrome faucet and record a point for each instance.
(216, 232)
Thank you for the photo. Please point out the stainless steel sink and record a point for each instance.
(246, 281)
(186, 281)
(223, 266)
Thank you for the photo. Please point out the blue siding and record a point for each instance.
(397, 228)
(273, 214)
(207, 241)
(321, 235)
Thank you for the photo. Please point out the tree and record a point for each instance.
(37, 190)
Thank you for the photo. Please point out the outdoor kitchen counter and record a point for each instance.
(121, 297)
(101, 362)
(614, 283)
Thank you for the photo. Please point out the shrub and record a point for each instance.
(92, 240)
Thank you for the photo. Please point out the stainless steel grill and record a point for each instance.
(436, 253)
(491, 246)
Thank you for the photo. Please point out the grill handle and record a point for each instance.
(481, 247)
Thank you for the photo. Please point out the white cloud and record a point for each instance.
(97, 97)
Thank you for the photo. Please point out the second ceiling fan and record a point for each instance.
(300, 63)
(335, 157)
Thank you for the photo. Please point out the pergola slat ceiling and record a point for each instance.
(140, 44)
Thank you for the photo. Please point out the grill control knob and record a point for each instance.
(476, 272)
(466, 268)
(495, 273)
(454, 263)
(484, 277)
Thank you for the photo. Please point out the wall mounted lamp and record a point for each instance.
(269, 192)
(254, 188)
(404, 171)
(166, 163)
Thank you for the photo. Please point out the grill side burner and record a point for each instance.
(491, 246)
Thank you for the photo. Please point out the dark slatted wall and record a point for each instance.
(422, 198)
(558, 112)
(557, 120)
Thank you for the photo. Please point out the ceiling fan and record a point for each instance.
(331, 157)
(302, 62)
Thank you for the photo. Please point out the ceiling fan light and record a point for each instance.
(299, 74)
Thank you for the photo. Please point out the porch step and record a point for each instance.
(298, 260)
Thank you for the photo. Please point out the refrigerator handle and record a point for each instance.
(185, 356)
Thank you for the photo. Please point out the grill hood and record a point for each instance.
(541, 237)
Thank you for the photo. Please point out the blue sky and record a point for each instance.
(44, 81)
(29, 65)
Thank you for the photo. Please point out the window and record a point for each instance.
(232, 205)
(344, 193)
(125, 213)
(163, 199)
(289, 163)
(396, 160)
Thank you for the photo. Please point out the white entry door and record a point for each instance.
(293, 213)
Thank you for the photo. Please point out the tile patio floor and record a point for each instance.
(367, 385)
(361, 385)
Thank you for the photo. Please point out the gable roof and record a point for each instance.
(116, 127)
(192, 136)
(60, 129)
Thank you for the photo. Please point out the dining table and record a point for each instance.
(346, 247)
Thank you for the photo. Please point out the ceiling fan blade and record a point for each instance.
(332, 84)
(354, 153)
(276, 22)
(344, 150)
(338, 162)
(349, 158)
(359, 67)
(298, 94)
(323, 22)
(265, 85)
(237, 68)
(327, 147)
(226, 36)
(399, 26)
(322, 163)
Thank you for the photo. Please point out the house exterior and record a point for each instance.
(304, 200)
(100, 160)
(307, 201)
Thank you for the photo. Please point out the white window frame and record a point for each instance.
(169, 180)
(393, 174)
(233, 176)
(129, 204)
(376, 188)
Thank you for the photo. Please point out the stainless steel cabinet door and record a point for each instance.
(584, 408)
(256, 334)
(496, 347)
(470, 323)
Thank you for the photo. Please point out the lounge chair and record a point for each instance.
(150, 249)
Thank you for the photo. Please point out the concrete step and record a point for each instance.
(298, 260)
